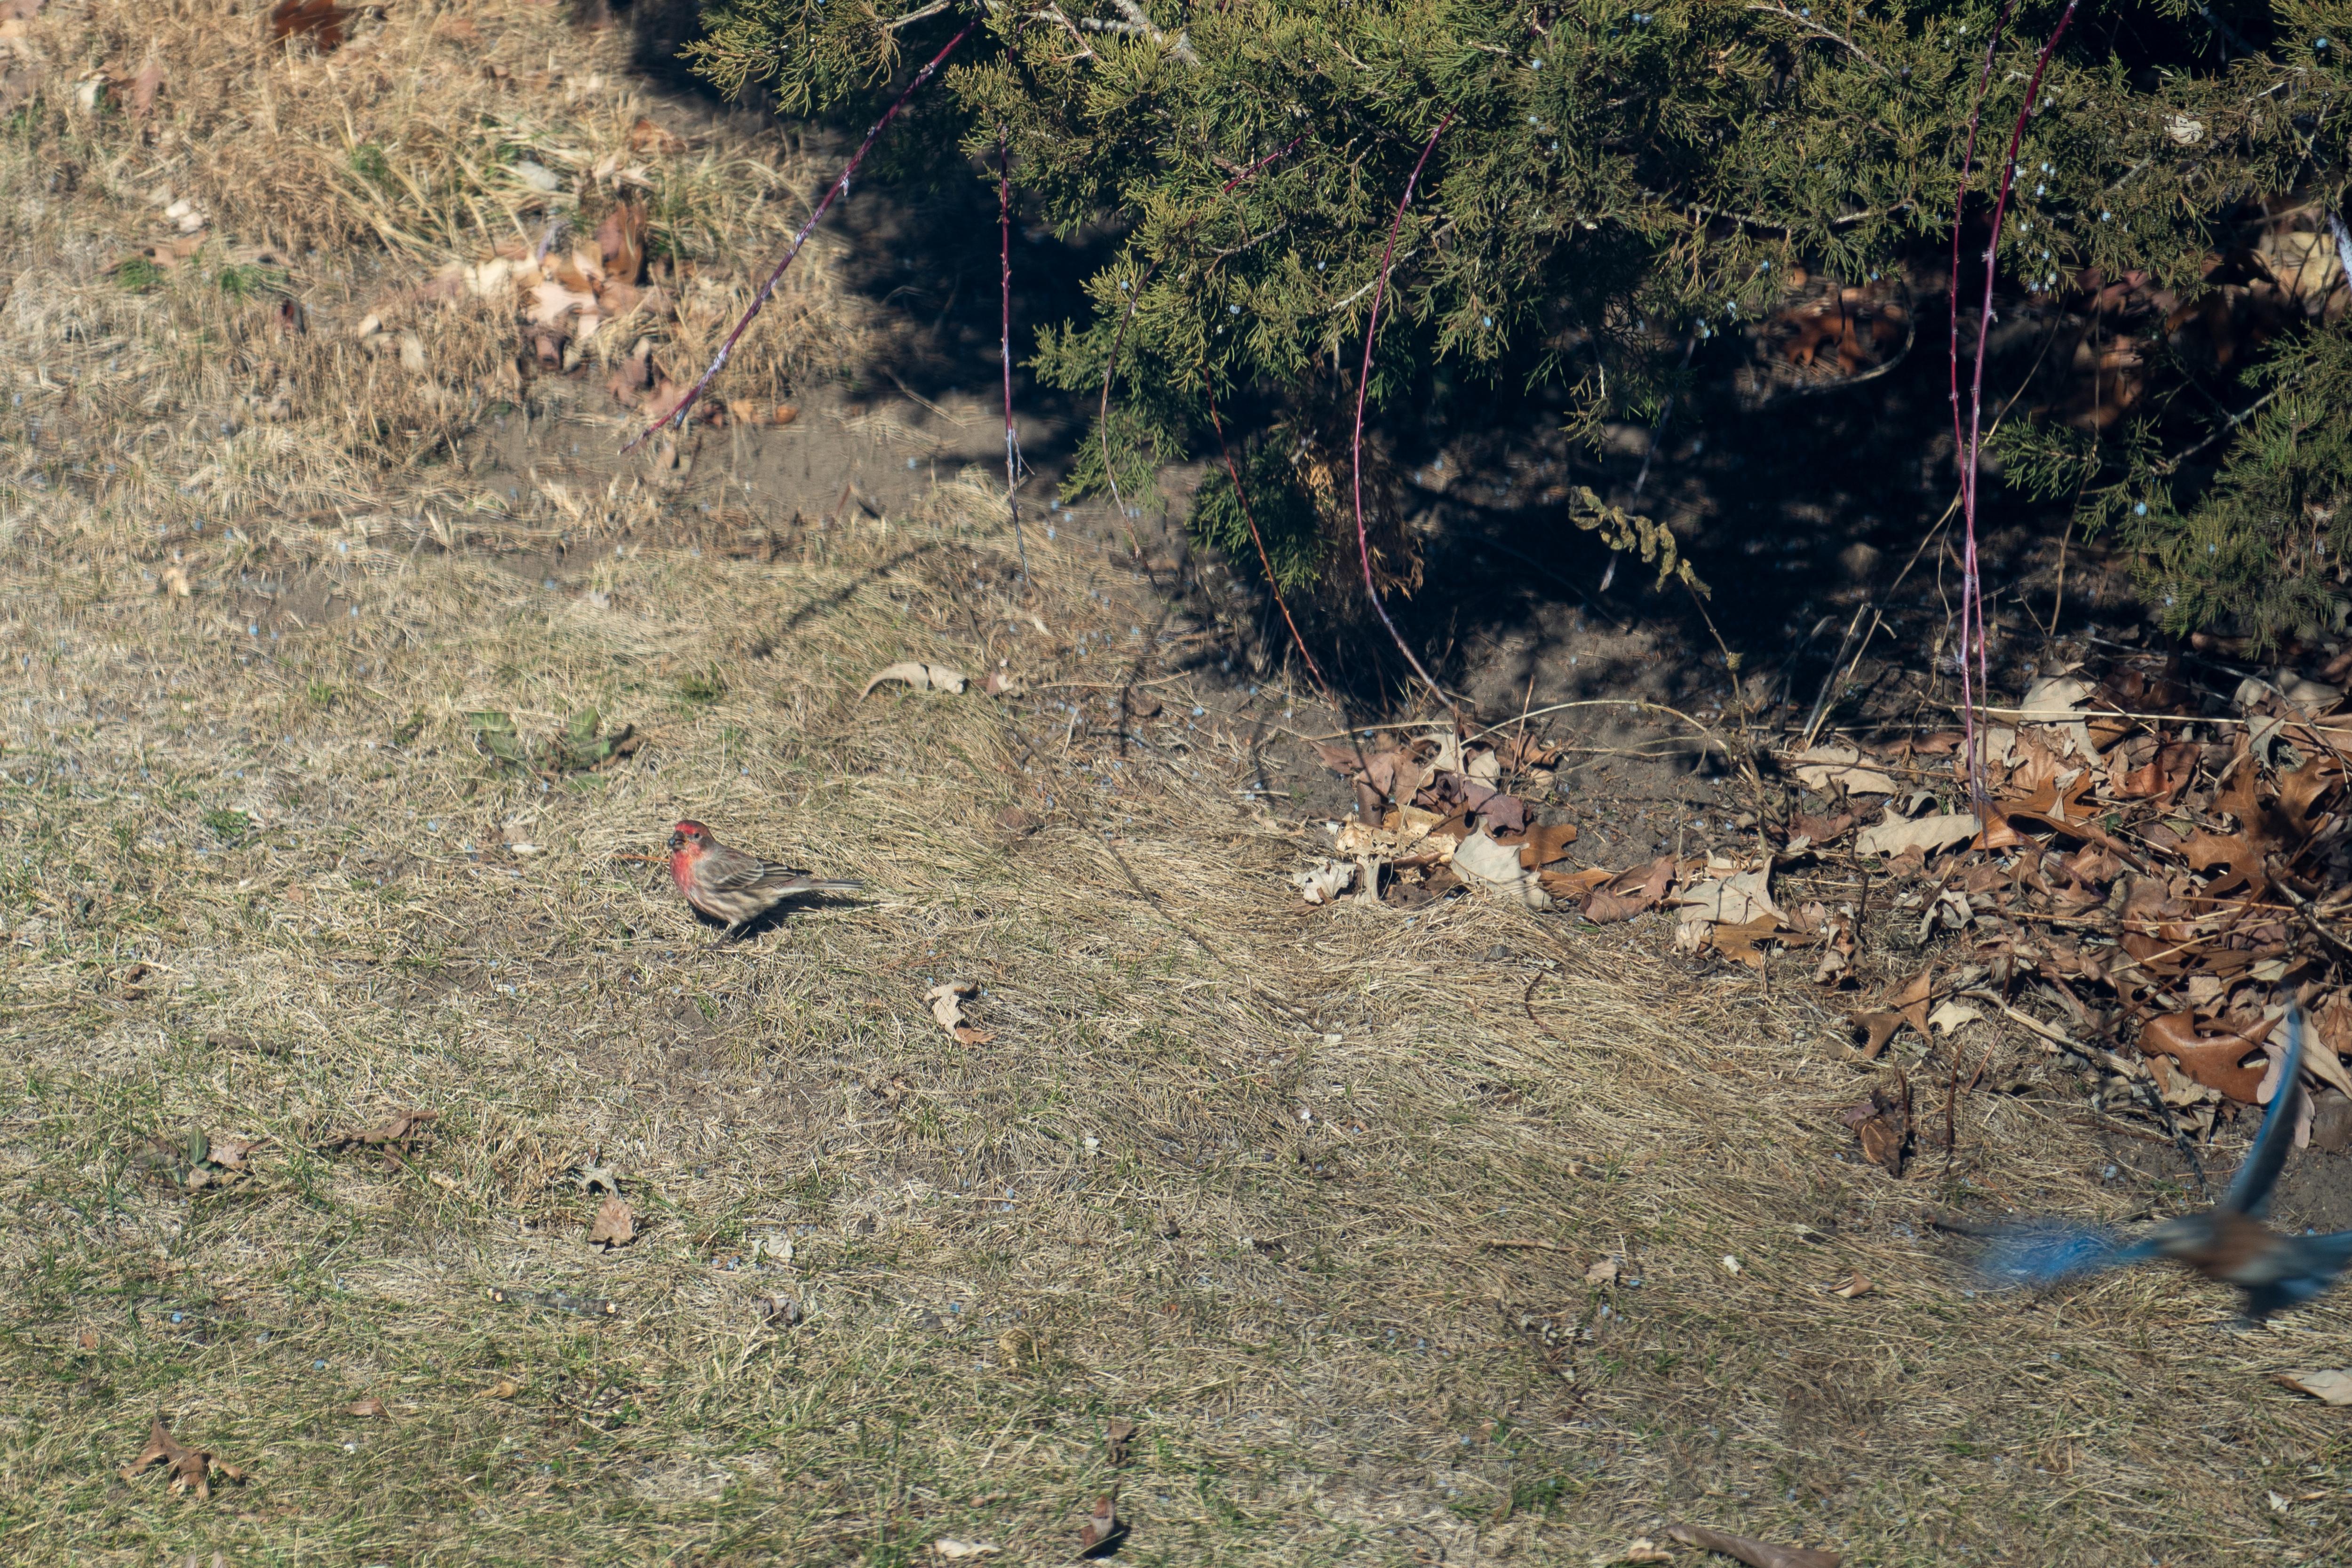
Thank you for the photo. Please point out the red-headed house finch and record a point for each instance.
(732, 887)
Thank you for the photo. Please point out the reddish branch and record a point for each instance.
(1971, 584)
(1963, 454)
(678, 416)
(1005, 242)
(1263, 560)
(1102, 421)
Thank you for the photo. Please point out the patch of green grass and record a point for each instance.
(701, 687)
(138, 275)
(230, 826)
(369, 161)
(246, 280)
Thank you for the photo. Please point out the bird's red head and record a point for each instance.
(686, 833)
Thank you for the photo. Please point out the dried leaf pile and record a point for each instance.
(2156, 865)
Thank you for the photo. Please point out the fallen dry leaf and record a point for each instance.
(920, 677)
(1853, 1286)
(191, 1469)
(1496, 868)
(1909, 1005)
(1744, 942)
(321, 21)
(1951, 1016)
(956, 1551)
(1642, 1549)
(367, 1409)
(1882, 1122)
(2329, 1387)
(1629, 893)
(1823, 768)
(646, 137)
(1926, 834)
(1740, 898)
(505, 1388)
(620, 243)
(2213, 1059)
(1545, 843)
(947, 1001)
(88, 1338)
(1755, 1553)
(614, 1227)
(1818, 830)
(777, 1311)
(1102, 1528)
(1323, 882)
(1604, 1272)
(145, 86)
(176, 583)
(395, 1131)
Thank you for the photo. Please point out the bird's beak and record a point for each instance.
(676, 842)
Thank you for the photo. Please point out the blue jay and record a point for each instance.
(2227, 1243)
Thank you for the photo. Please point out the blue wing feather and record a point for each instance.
(2250, 1192)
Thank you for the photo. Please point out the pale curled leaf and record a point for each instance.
(947, 1001)
(1604, 1272)
(1925, 834)
(1951, 1016)
(2061, 702)
(920, 677)
(2331, 1387)
(1737, 900)
(1324, 881)
(956, 1551)
(1822, 768)
(1495, 868)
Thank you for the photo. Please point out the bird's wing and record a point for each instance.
(2046, 1252)
(2314, 1264)
(2249, 1194)
(744, 874)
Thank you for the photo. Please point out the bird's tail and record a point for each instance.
(816, 885)
(2035, 1255)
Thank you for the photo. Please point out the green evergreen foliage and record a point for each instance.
(1610, 183)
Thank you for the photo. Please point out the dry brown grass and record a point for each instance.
(180, 390)
(1117, 1208)
(1308, 1195)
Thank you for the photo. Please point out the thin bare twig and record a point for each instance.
(1807, 25)
(2303, 908)
(917, 14)
(1363, 389)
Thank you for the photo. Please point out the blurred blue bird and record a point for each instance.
(2227, 1243)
